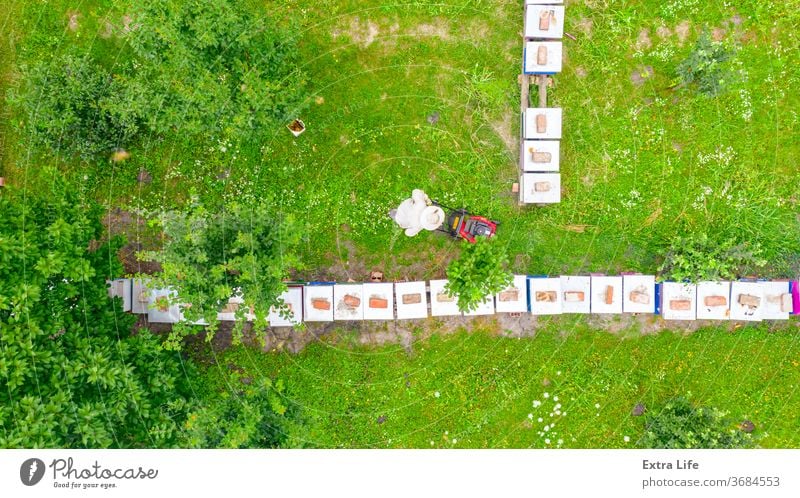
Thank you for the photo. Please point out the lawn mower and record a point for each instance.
(420, 213)
(461, 224)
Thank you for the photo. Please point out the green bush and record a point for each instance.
(705, 67)
(72, 373)
(480, 271)
(213, 68)
(681, 425)
(258, 416)
(209, 257)
(696, 257)
(74, 106)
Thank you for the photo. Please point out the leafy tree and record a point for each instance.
(209, 257)
(72, 374)
(681, 425)
(480, 270)
(705, 67)
(696, 258)
(259, 416)
(212, 67)
(74, 106)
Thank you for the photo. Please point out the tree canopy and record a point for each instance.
(209, 257)
(72, 374)
(212, 67)
(682, 425)
(480, 271)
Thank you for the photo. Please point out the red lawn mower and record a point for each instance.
(461, 224)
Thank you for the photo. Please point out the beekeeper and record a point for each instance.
(417, 213)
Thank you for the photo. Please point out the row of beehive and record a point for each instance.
(326, 302)
(540, 179)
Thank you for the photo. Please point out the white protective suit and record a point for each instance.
(417, 213)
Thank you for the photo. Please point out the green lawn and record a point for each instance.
(641, 162)
(475, 390)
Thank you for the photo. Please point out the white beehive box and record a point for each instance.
(777, 301)
(542, 123)
(606, 295)
(159, 308)
(293, 298)
(122, 289)
(411, 299)
(542, 57)
(543, 2)
(140, 297)
(540, 188)
(379, 301)
(710, 305)
(638, 294)
(485, 307)
(348, 302)
(544, 21)
(678, 301)
(318, 306)
(545, 295)
(541, 155)
(515, 298)
(441, 304)
(740, 291)
(576, 294)
(228, 312)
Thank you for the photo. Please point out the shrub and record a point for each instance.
(209, 257)
(74, 106)
(696, 258)
(480, 270)
(212, 68)
(258, 416)
(705, 67)
(681, 425)
(72, 375)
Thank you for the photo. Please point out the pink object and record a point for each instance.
(795, 289)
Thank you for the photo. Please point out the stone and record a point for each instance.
(609, 297)
(747, 426)
(541, 55)
(320, 303)
(574, 296)
(351, 301)
(541, 123)
(412, 298)
(444, 297)
(541, 157)
(544, 20)
(433, 118)
(749, 300)
(541, 187)
(638, 410)
(639, 297)
(509, 295)
(546, 296)
(680, 304)
(378, 303)
(713, 301)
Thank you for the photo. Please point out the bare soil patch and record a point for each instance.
(683, 30)
(502, 128)
(641, 74)
(585, 26)
(643, 41)
(72, 21)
